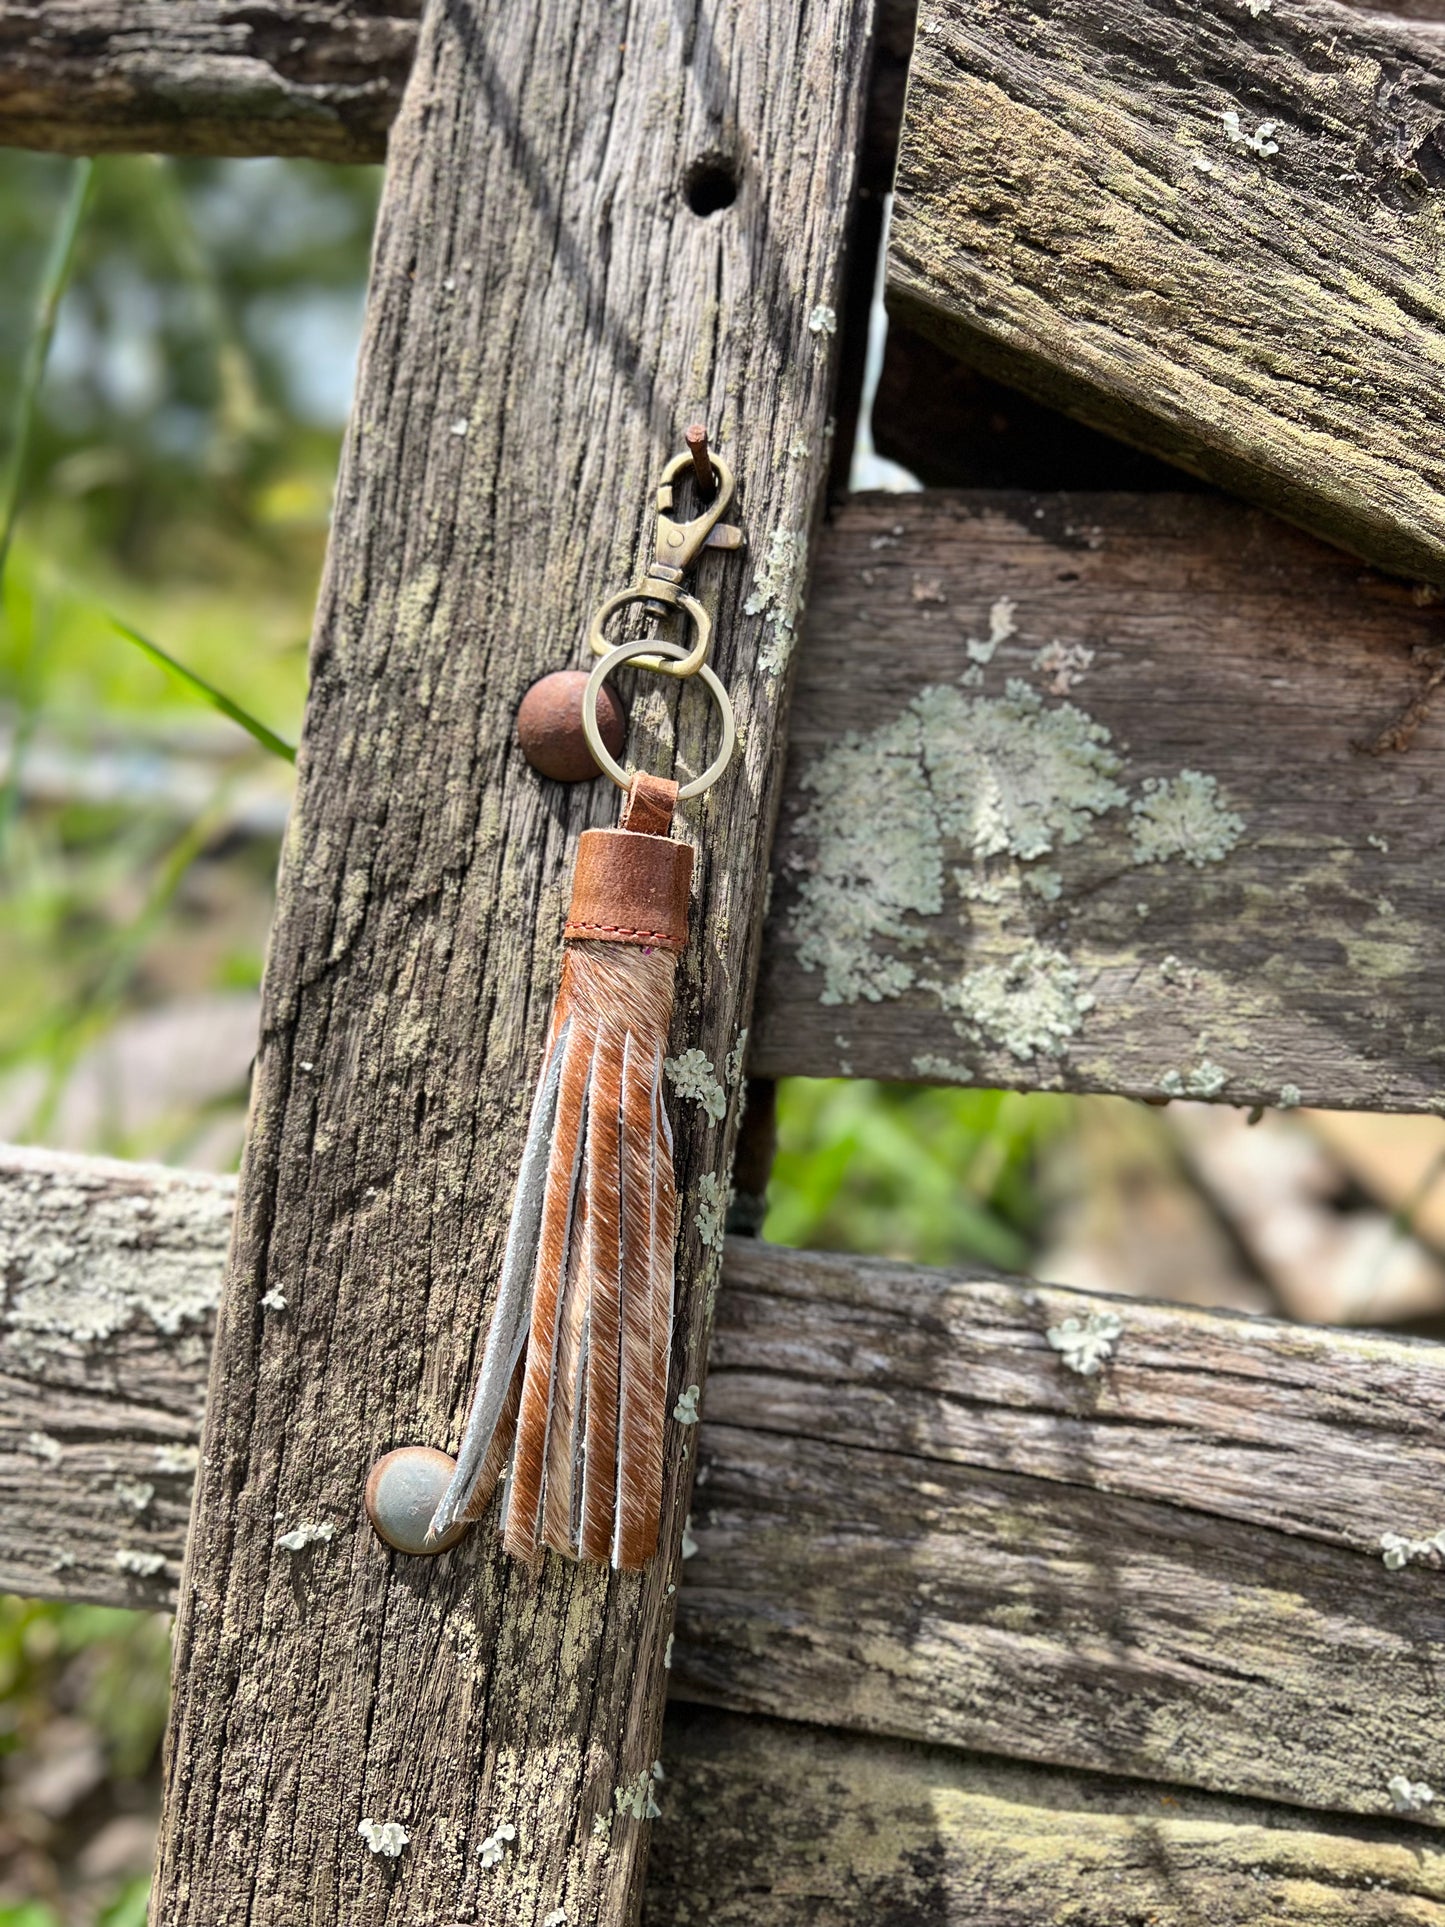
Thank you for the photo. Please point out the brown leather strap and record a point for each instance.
(631, 888)
(650, 803)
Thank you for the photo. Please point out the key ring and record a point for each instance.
(635, 652)
(689, 661)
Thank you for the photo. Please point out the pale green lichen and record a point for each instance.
(1086, 1344)
(274, 1299)
(689, 1544)
(635, 1799)
(1258, 142)
(777, 596)
(1409, 1796)
(40, 1445)
(713, 1198)
(1032, 1005)
(1182, 816)
(1204, 1080)
(308, 1533)
(823, 320)
(1001, 626)
(934, 1068)
(951, 807)
(1064, 663)
(1290, 1097)
(685, 1410)
(143, 1565)
(978, 887)
(496, 1844)
(733, 1063)
(997, 775)
(692, 1075)
(387, 1837)
(134, 1494)
(1399, 1551)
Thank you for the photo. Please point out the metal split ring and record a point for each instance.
(637, 652)
(688, 661)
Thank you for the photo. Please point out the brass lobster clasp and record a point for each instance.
(678, 544)
(676, 548)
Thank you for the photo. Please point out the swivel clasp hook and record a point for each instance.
(678, 544)
(676, 547)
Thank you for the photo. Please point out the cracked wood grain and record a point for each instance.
(314, 78)
(914, 1520)
(1204, 637)
(1075, 215)
(546, 314)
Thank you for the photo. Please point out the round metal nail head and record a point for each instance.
(403, 1491)
(549, 727)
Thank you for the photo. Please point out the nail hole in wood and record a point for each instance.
(711, 184)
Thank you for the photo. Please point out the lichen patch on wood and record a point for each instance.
(1234, 666)
(945, 809)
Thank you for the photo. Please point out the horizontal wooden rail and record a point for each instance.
(1209, 227)
(311, 78)
(1080, 795)
(913, 1518)
(314, 78)
(768, 1825)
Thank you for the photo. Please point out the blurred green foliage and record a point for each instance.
(178, 478)
(108, 1666)
(908, 1171)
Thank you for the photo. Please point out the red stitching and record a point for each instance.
(618, 930)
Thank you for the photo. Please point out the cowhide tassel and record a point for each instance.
(573, 1383)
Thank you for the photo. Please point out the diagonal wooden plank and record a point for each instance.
(1210, 229)
(769, 1825)
(547, 310)
(319, 78)
(1272, 937)
(914, 1519)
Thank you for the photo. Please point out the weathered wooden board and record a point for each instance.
(320, 78)
(315, 78)
(766, 1825)
(1263, 927)
(547, 313)
(110, 1274)
(1210, 228)
(913, 1518)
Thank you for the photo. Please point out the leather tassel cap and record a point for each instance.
(573, 1383)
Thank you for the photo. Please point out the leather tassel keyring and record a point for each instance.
(571, 1399)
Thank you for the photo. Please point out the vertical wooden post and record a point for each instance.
(548, 312)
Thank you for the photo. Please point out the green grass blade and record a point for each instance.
(37, 352)
(267, 738)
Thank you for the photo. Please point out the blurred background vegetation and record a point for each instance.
(172, 474)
